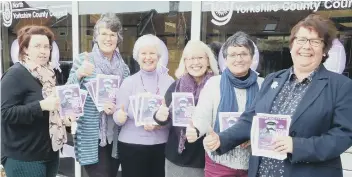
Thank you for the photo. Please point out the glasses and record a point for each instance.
(235, 55)
(195, 59)
(312, 42)
(106, 35)
(45, 47)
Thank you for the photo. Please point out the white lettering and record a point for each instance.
(20, 15)
(286, 6)
(17, 5)
(327, 5)
(316, 5)
(42, 14)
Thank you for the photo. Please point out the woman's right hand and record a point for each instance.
(86, 69)
(50, 103)
(163, 112)
(121, 115)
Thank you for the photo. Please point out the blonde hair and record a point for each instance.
(191, 45)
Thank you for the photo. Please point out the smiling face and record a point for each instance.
(196, 62)
(238, 60)
(38, 49)
(148, 58)
(107, 41)
(307, 55)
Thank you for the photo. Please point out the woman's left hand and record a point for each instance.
(109, 108)
(283, 144)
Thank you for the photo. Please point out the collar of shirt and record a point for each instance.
(293, 77)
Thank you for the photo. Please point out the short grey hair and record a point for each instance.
(239, 39)
(111, 22)
(146, 40)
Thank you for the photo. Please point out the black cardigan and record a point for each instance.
(24, 126)
(193, 155)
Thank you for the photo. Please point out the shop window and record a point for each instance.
(169, 20)
(269, 23)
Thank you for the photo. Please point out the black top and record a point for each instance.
(24, 126)
(193, 155)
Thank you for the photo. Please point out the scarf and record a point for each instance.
(228, 100)
(187, 84)
(46, 75)
(108, 67)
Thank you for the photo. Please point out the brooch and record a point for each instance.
(274, 85)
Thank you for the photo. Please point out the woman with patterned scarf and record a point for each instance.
(32, 130)
(96, 135)
(233, 91)
(196, 66)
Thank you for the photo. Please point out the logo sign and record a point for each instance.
(221, 12)
(15, 10)
(7, 13)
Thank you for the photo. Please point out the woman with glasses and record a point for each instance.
(233, 91)
(318, 101)
(32, 132)
(197, 66)
(94, 138)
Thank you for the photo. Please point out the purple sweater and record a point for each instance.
(132, 85)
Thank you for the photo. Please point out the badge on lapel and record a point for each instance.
(274, 85)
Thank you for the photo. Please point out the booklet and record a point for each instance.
(70, 100)
(227, 119)
(265, 127)
(149, 104)
(182, 108)
(106, 89)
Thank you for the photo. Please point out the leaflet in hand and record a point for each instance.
(144, 107)
(227, 119)
(182, 108)
(265, 127)
(84, 94)
(70, 100)
(90, 90)
(106, 89)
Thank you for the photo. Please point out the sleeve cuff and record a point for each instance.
(37, 110)
(161, 123)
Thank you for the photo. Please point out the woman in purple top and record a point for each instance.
(142, 147)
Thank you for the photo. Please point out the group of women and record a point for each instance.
(318, 101)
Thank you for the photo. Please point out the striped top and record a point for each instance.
(87, 135)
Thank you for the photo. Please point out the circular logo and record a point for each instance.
(7, 13)
(221, 12)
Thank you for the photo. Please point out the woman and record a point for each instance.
(319, 102)
(28, 106)
(233, 91)
(197, 65)
(142, 148)
(95, 130)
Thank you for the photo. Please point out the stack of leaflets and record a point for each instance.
(71, 100)
(265, 128)
(227, 119)
(182, 108)
(103, 89)
(144, 107)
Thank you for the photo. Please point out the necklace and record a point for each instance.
(157, 84)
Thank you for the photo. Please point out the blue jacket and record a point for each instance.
(321, 127)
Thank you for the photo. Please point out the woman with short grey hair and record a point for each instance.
(96, 135)
(233, 91)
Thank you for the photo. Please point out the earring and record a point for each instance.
(324, 55)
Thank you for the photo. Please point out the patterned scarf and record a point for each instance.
(46, 75)
(187, 84)
(108, 67)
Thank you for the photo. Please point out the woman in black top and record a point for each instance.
(31, 130)
(196, 66)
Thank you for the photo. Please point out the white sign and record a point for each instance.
(16, 10)
(222, 10)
